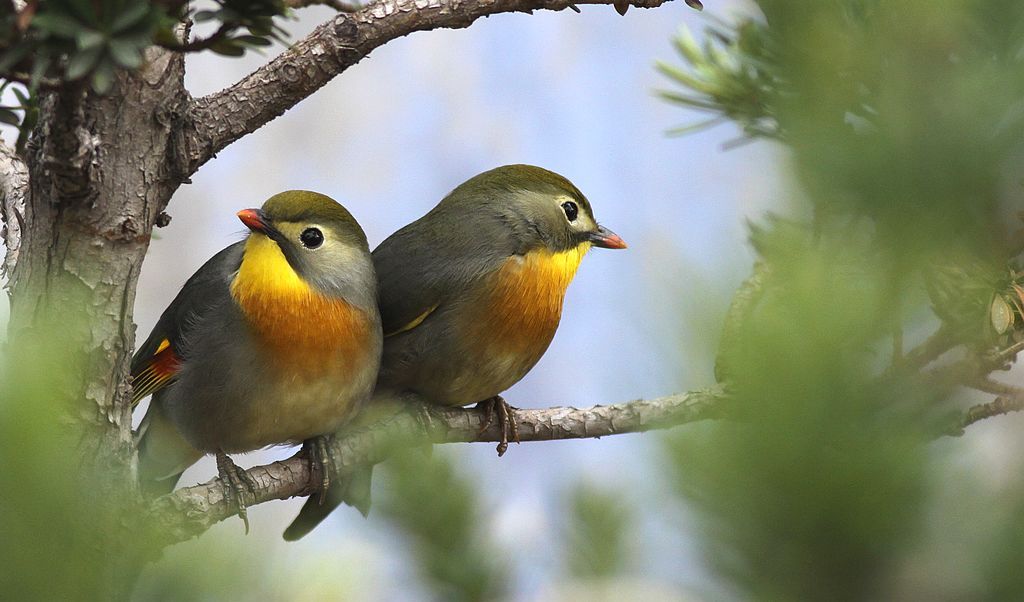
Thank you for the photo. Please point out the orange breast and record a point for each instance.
(309, 335)
(304, 331)
(525, 303)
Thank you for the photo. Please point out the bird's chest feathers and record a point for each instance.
(525, 300)
(304, 329)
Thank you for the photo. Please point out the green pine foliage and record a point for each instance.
(903, 126)
(437, 509)
(597, 533)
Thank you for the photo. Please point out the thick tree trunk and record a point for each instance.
(101, 171)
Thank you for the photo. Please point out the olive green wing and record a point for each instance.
(430, 262)
(158, 359)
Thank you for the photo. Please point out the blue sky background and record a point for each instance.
(389, 138)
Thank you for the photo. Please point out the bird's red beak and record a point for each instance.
(606, 239)
(255, 220)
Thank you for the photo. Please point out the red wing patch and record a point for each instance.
(156, 374)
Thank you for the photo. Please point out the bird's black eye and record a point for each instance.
(571, 210)
(312, 238)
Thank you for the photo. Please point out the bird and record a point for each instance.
(471, 296)
(275, 340)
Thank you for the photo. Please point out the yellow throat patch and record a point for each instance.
(265, 271)
(296, 322)
(526, 299)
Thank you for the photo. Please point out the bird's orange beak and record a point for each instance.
(255, 220)
(606, 239)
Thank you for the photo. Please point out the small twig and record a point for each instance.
(999, 406)
(999, 359)
(975, 366)
(930, 350)
(988, 385)
(200, 43)
(43, 83)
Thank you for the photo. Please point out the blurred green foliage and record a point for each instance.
(597, 533)
(442, 516)
(48, 543)
(904, 126)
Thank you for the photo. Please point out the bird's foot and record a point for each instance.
(424, 417)
(237, 484)
(319, 464)
(497, 406)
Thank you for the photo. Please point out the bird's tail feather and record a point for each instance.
(163, 453)
(353, 490)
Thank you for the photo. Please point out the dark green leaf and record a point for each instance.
(83, 62)
(9, 117)
(205, 15)
(23, 98)
(39, 68)
(14, 56)
(58, 24)
(89, 38)
(227, 48)
(130, 17)
(103, 77)
(252, 40)
(84, 10)
(125, 54)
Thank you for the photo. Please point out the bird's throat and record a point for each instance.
(265, 271)
(289, 315)
(526, 299)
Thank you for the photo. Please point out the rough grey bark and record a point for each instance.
(13, 191)
(98, 177)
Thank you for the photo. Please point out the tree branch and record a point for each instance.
(219, 119)
(13, 196)
(190, 511)
(1004, 404)
(930, 350)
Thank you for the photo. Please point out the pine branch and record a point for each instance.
(1004, 404)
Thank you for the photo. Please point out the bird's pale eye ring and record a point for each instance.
(311, 238)
(571, 210)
